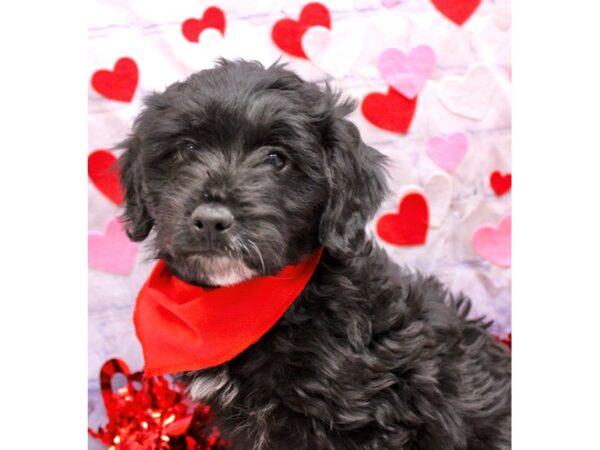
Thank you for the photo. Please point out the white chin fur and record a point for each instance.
(224, 271)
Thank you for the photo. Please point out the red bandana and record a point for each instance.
(184, 327)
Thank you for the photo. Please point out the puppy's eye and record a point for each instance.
(276, 159)
(189, 147)
(186, 151)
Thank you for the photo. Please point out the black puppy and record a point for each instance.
(368, 356)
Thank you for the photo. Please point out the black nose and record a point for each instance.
(211, 219)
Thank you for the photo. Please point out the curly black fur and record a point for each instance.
(369, 356)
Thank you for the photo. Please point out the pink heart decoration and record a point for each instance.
(111, 251)
(448, 153)
(494, 244)
(407, 73)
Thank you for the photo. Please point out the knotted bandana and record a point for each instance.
(184, 327)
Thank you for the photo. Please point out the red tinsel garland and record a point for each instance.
(506, 340)
(153, 416)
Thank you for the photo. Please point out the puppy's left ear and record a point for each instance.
(357, 183)
(138, 220)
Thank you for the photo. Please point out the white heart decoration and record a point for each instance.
(469, 96)
(334, 52)
(438, 191)
(199, 55)
(502, 17)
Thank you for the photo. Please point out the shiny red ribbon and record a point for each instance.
(148, 414)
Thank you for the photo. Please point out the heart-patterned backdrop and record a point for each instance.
(433, 81)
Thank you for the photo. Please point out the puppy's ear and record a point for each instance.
(357, 183)
(138, 220)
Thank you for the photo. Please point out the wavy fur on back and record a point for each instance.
(368, 357)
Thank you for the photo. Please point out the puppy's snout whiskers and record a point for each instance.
(242, 247)
(258, 253)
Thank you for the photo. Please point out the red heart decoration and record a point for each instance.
(104, 173)
(213, 17)
(287, 33)
(409, 226)
(500, 183)
(458, 11)
(392, 111)
(118, 84)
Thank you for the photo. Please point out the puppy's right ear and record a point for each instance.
(138, 220)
